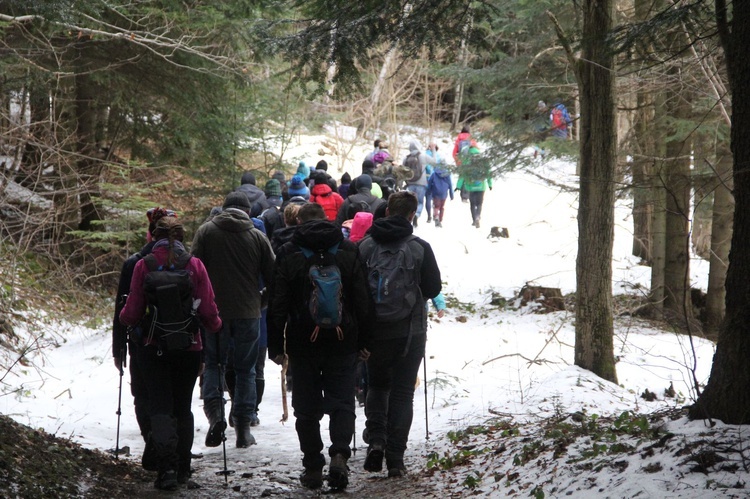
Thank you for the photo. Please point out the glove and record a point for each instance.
(490, 188)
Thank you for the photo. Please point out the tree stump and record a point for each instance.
(547, 299)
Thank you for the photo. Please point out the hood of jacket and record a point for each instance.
(390, 229)
(413, 147)
(321, 189)
(317, 235)
(442, 173)
(233, 220)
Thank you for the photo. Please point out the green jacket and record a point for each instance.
(466, 179)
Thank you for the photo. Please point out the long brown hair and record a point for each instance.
(169, 228)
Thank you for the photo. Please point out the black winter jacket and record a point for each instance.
(362, 194)
(392, 229)
(290, 292)
(119, 332)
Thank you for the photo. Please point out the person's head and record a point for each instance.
(248, 178)
(273, 188)
(310, 211)
(541, 106)
(154, 215)
(346, 178)
(364, 181)
(465, 129)
(279, 175)
(355, 208)
(403, 204)
(322, 165)
(432, 147)
(383, 144)
(238, 201)
(368, 166)
(376, 143)
(303, 169)
(171, 229)
(297, 184)
(290, 214)
(361, 223)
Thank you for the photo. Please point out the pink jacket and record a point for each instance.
(360, 225)
(208, 313)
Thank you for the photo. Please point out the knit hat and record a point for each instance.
(303, 169)
(279, 175)
(297, 186)
(322, 165)
(237, 200)
(273, 188)
(247, 178)
(364, 180)
(346, 178)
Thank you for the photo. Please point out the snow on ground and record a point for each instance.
(506, 362)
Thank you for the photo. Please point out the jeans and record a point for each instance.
(476, 199)
(243, 334)
(390, 396)
(428, 202)
(171, 380)
(323, 385)
(420, 191)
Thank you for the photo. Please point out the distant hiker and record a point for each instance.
(237, 256)
(281, 178)
(560, 121)
(254, 193)
(432, 152)
(330, 200)
(440, 186)
(322, 349)
(392, 253)
(363, 194)
(321, 176)
(124, 343)
(372, 153)
(380, 185)
(304, 170)
(417, 163)
(284, 234)
(273, 217)
(540, 125)
(171, 374)
(462, 144)
(297, 187)
(346, 179)
(475, 179)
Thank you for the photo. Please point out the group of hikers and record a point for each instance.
(318, 277)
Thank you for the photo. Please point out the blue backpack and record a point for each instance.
(326, 291)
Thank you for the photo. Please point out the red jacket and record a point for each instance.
(461, 136)
(208, 313)
(329, 200)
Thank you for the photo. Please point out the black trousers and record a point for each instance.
(170, 380)
(390, 396)
(476, 199)
(323, 385)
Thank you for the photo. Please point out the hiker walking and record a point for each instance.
(475, 178)
(237, 256)
(440, 186)
(171, 373)
(417, 163)
(392, 253)
(124, 343)
(254, 193)
(324, 333)
(432, 152)
(363, 184)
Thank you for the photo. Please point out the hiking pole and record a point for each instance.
(119, 403)
(226, 472)
(426, 421)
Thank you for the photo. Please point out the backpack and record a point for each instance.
(325, 301)
(381, 157)
(464, 145)
(393, 279)
(170, 310)
(415, 166)
(560, 117)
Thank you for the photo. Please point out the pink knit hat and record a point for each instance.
(362, 222)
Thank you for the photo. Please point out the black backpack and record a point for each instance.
(412, 163)
(170, 318)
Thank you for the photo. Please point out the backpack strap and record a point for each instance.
(180, 263)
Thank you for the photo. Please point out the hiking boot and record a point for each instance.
(429, 218)
(396, 469)
(167, 480)
(311, 479)
(476, 222)
(244, 438)
(438, 223)
(254, 421)
(338, 473)
(216, 424)
(183, 476)
(374, 459)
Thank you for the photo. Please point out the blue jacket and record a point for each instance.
(440, 184)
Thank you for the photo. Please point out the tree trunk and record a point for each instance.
(658, 239)
(727, 394)
(594, 348)
(463, 61)
(677, 249)
(721, 242)
(87, 165)
(643, 170)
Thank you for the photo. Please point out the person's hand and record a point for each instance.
(364, 354)
(441, 313)
(490, 188)
(279, 359)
